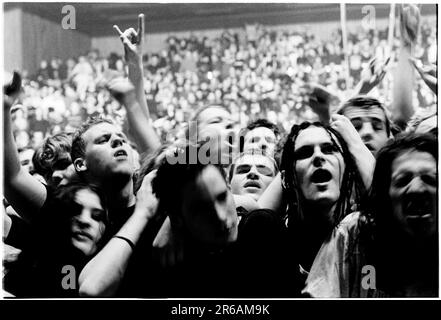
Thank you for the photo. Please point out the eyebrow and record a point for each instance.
(108, 134)
(321, 145)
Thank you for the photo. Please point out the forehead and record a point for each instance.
(312, 136)
(254, 160)
(88, 198)
(413, 160)
(371, 112)
(213, 112)
(260, 132)
(100, 129)
(26, 153)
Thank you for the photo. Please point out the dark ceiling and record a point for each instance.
(96, 19)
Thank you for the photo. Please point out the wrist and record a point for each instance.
(143, 215)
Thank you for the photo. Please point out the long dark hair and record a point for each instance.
(38, 272)
(379, 233)
(350, 189)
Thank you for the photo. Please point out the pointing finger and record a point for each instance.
(141, 27)
(117, 30)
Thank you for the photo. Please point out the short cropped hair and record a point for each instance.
(366, 102)
(257, 124)
(78, 144)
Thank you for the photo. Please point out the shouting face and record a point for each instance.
(413, 193)
(319, 167)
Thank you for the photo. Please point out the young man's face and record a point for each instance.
(371, 126)
(216, 124)
(208, 211)
(319, 167)
(63, 171)
(25, 157)
(252, 175)
(108, 155)
(413, 193)
(260, 139)
(87, 224)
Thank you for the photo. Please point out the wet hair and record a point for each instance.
(171, 179)
(378, 230)
(78, 143)
(259, 123)
(251, 153)
(150, 162)
(366, 102)
(377, 206)
(351, 187)
(53, 154)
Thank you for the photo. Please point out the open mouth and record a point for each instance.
(417, 208)
(252, 184)
(321, 176)
(121, 153)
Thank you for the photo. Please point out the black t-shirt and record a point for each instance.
(258, 264)
(39, 269)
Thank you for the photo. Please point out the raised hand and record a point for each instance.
(373, 75)
(133, 41)
(409, 23)
(145, 199)
(320, 100)
(13, 85)
(427, 73)
(11, 90)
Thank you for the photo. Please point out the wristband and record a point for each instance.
(131, 244)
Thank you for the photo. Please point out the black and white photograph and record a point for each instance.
(241, 150)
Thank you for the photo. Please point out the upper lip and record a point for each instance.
(321, 175)
(252, 183)
(82, 233)
(122, 151)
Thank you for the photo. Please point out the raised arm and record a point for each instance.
(25, 194)
(402, 108)
(144, 134)
(364, 159)
(320, 100)
(102, 275)
(272, 197)
(427, 73)
(371, 76)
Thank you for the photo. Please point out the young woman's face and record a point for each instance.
(87, 225)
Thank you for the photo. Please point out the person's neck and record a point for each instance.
(119, 192)
(122, 197)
